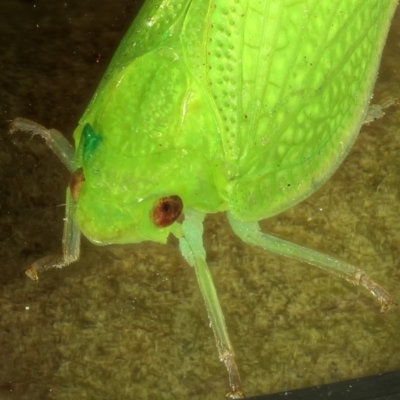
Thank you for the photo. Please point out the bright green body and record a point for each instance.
(247, 107)
(244, 106)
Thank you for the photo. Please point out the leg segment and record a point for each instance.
(192, 249)
(250, 232)
(71, 245)
(71, 236)
(54, 139)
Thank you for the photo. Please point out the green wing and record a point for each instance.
(292, 82)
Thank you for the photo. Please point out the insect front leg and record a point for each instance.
(71, 236)
(54, 139)
(71, 245)
(250, 232)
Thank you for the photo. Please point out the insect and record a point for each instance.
(208, 106)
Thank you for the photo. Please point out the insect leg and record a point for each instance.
(192, 249)
(250, 232)
(375, 111)
(71, 245)
(54, 139)
(71, 237)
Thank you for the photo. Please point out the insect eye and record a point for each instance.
(76, 182)
(167, 210)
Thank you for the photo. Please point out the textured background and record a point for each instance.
(129, 321)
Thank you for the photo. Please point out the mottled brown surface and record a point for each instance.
(128, 321)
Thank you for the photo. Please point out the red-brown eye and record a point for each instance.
(167, 210)
(76, 182)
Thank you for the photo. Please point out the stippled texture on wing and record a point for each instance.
(291, 81)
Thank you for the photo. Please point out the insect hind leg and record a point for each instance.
(250, 233)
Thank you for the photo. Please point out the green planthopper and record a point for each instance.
(243, 106)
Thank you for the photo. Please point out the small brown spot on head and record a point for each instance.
(76, 182)
(167, 210)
